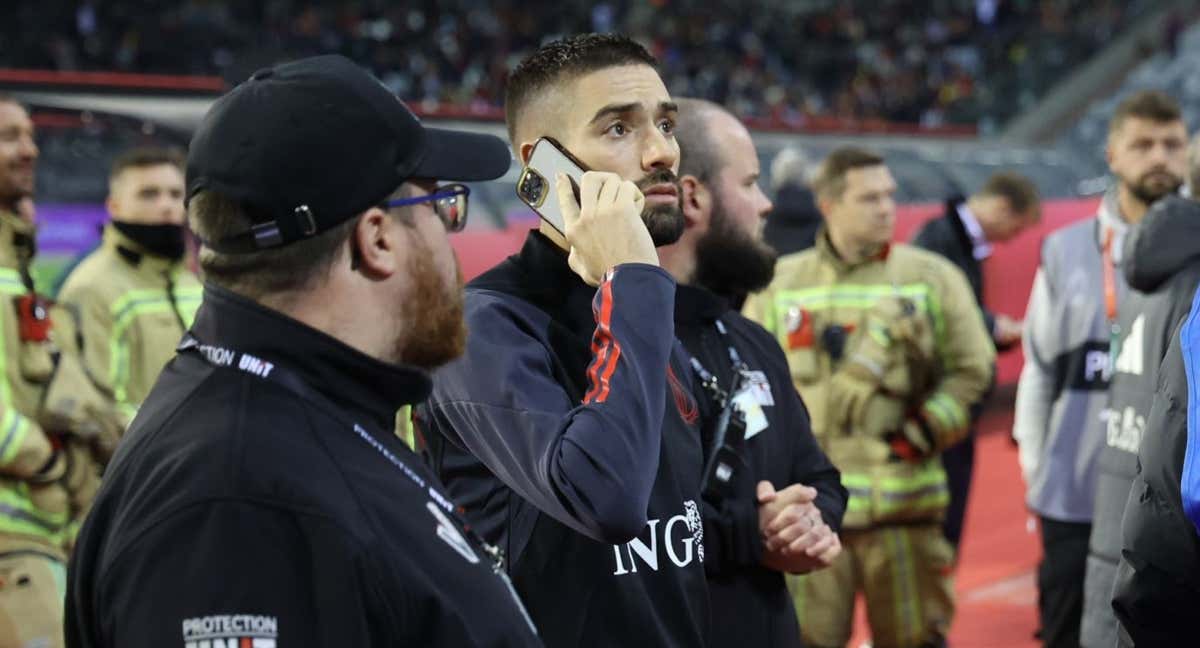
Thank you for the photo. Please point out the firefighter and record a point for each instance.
(48, 436)
(134, 294)
(889, 351)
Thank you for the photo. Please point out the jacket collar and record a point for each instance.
(539, 274)
(17, 240)
(134, 254)
(345, 375)
(697, 306)
(825, 248)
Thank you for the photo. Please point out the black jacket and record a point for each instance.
(1157, 585)
(750, 603)
(238, 509)
(947, 236)
(794, 221)
(568, 432)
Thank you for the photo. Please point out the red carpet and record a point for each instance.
(997, 594)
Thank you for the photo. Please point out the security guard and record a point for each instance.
(889, 351)
(46, 473)
(134, 295)
(260, 497)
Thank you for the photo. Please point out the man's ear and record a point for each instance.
(374, 242)
(825, 206)
(697, 202)
(526, 151)
(112, 205)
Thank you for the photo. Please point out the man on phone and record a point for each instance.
(568, 430)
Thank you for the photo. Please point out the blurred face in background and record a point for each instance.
(864, 215)
(18, 155)
(1000, 222)
(1148, 157)
(149, 195)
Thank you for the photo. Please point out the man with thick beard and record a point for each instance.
(568, 430)
(779, 474)
(1071, 332)
(260, 497)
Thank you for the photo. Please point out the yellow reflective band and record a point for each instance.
(864, 296)
(958, 411)
(941, 416)
(856, 480)
(931, 473)
(908, 606)
(880, 335)
(858, 503)
(10, 282)
(939, 326)
(13, 430)
(126, 310)
(404, 427)
(19, 515)
(934, 502)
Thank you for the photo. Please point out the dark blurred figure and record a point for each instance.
(792, 225)
(1006, 205)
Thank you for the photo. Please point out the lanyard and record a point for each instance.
(709, 381)
(233, 360)
(1110, 294)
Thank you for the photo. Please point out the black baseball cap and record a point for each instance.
(312, 143)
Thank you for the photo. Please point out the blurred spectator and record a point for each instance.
(1006, 204)
(793, 224)
(789, 62)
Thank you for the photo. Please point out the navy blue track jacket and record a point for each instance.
(568, 432)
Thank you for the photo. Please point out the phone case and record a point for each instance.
(536, 186)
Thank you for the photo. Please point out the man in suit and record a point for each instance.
(1007, 204)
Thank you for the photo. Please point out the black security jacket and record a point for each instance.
(750, 603)
(242, 511)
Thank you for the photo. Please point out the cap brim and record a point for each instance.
(459, 155)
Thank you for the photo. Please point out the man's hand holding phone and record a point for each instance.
(605, 228)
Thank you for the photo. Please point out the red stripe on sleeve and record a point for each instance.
(605, 350)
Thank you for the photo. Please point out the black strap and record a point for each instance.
(724, 454)
(174, 303)
(25, 241)
(709, 381)
(227, 359)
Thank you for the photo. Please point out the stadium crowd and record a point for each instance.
(787, 62)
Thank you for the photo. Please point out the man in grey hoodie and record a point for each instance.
(1070, 325)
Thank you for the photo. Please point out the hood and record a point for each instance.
(1166, 241)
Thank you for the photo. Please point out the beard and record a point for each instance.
(729, 261)
(434, 330)
(664, 222)
(1152, 186)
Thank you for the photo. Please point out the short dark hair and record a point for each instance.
(699, 155)
(1019, 191)
(292, 267)
(1151, 105)
(829, 181)
(566, 58)
(146, 156)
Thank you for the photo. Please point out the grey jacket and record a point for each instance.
(1063, 387)
(1162, 266)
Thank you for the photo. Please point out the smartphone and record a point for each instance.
(536, 186)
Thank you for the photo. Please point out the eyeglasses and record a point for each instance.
(449, 203)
